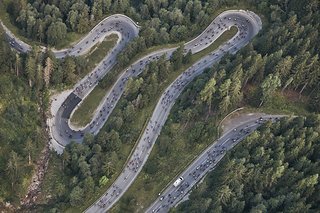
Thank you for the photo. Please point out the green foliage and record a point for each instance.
(76, 196)
(162, 22)
(177, 58)
(315, 103)
(103, 181)
(268, 87)
(288, 48)
(274, 169)
(207, 93)
(21, 134)
(234, 76)
(56, 33)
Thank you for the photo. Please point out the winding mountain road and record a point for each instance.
(62, 132)
(207, 161)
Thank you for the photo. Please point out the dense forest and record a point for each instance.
(231, 83)
(266, 73)
(163, 21)
(275, 169)
(282, 60)
(22, 129)
(90, 165)
(287, 47)
(24, 99)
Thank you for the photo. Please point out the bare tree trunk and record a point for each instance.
(245, 82)
(29, 157)
(17, 71)
(261, 103)
(304, 86)
(186, 124)
(285, 87)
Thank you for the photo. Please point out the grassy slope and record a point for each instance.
(288, 102)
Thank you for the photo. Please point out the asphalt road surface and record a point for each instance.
(117, 23)
(62, 132)
(204, 163)
(248, 27)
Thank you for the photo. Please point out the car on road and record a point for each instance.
(178, 181)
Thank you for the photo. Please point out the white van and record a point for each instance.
(178, 182)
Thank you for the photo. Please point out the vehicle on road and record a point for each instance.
(160, 114)
(178, 181)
